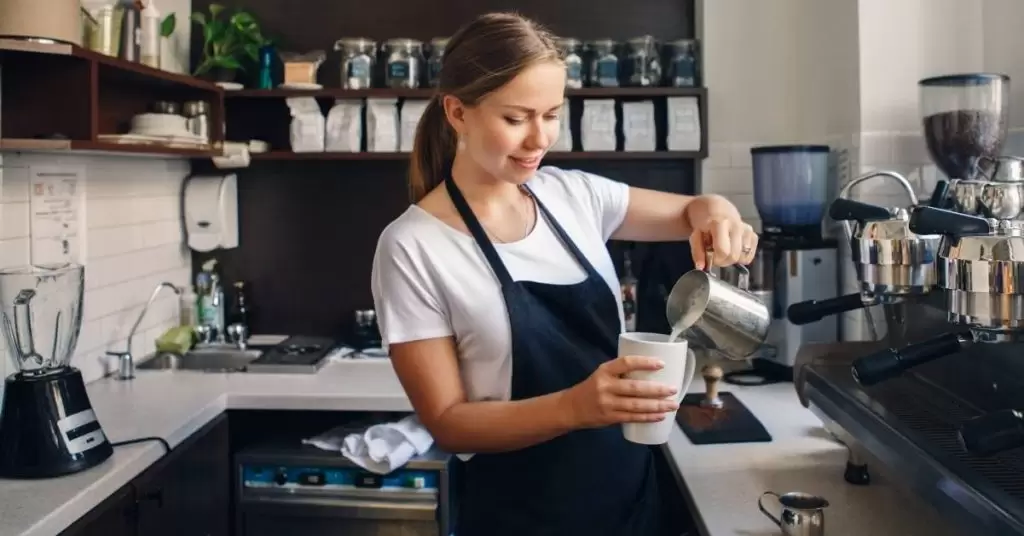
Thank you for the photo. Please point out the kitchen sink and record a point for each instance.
(205, 359)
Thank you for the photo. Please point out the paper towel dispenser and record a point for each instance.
(210, 210)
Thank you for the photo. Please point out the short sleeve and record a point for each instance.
(405, 296)
(608, 199)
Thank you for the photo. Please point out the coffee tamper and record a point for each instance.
(712, 376)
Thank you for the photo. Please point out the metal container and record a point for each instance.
(990, 199)
(714, 315)
(198, 114)
(803, 514)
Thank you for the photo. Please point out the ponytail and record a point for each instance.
(433, 150)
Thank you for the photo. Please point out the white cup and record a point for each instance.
(677, 372)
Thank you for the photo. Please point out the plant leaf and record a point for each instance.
(252, 50)
(215, 9)
(243, 20)
(199, 18)
(168, 24)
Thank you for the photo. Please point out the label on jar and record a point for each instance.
(685, 72)
(398, 70)
(359, 69)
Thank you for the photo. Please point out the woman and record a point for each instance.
(499, 303)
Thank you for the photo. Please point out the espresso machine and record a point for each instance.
(47, 425)
(894, 266)
(942, 410)
(796, 262)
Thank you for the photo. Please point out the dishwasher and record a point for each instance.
(301, 490)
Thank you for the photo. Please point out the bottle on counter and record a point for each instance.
(210, 295)
(240, 305)
(150, 35)
(628, 286)
(189, 308)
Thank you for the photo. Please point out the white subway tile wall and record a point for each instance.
(133, 242)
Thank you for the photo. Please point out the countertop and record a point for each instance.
(723, 481)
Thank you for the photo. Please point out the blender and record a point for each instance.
(798, 262)
(965, 120)
(47, 425)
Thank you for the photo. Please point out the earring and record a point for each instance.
(461, 144)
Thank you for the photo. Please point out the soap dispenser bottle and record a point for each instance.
(206, 289)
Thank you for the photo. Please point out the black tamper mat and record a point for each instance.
(727, 422)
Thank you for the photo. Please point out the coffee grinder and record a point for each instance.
(47, 425)
(797, 262)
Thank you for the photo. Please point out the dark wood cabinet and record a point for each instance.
(187, 491)
(113, 517)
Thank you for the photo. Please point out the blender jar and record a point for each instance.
(790, 184)
(965, 120)
(40, 315)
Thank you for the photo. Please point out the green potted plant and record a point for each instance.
(229, 40)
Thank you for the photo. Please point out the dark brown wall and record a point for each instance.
(305, 25)
(308, 229)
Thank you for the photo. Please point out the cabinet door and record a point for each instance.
(189, 492)
(113, 517)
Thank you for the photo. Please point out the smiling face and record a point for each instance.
(508, 132)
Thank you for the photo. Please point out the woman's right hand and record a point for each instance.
(608, 397)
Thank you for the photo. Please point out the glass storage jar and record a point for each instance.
(403, 64)
(437, 46)
(572, 54)
(644, 62)
(358, 60)
(682, 63)
(604, 64)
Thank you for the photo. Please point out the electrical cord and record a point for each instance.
(143, 440)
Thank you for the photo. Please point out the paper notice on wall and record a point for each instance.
(57, 205)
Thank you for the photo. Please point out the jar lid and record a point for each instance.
(403, 42)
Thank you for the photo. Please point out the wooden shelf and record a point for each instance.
(574, 155)
(426, 93)
(31, 145)
(75, 94)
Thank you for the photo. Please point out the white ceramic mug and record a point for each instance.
(677, 372)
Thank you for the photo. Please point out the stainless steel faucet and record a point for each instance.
(125, 361)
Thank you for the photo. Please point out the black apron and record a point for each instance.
(592, 481)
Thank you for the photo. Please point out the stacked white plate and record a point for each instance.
(152, 124)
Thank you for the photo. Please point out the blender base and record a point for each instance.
(48, 427)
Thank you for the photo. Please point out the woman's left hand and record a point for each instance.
(713, 218)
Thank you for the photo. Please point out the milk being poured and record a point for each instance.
(676, 332)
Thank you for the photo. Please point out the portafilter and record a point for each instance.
(979, 269)
(892, 262)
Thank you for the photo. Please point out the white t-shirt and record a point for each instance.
(430, 280)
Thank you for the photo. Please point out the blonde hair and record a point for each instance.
(479, 58)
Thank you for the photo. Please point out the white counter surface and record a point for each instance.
(723, 481)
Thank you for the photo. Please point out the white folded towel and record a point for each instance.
(382, 448)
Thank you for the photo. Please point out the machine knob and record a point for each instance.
(281, 478)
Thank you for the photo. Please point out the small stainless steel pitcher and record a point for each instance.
(803, 514)
(714, 315)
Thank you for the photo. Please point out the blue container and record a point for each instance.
(790, 184)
